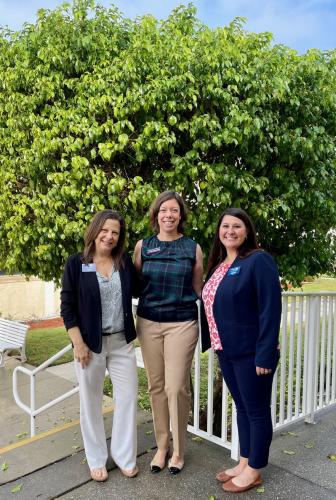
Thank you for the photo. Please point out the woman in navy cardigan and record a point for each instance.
(96, 306)
(241, 312)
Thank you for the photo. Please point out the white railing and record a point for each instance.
(31, 409)
(304, 383)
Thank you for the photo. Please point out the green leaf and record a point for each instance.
(309, 445)
(332, 457)
(197, 439)
(172, 120)
(16, 489)
(4, 466)
(289, 452)
(260, 489)
(21, 435)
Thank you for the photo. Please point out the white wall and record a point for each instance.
(28, 300)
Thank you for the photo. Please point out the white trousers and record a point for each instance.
(119, 358)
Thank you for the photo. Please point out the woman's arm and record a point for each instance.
(268, 290)
(69, 313)
(134, 276)
(137, 256)
(197, 277)
(69, 306)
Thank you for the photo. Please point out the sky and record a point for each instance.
(299, 24)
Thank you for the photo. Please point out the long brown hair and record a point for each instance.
(218, 250)
(155, 207)
(94, 228)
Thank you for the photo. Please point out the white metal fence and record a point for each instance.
(304, 383)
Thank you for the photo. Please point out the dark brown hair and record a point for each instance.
(94, 228)
(218, 250)
(155, 207)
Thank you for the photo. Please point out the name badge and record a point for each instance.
(153, 250)
(233, 270)
(89, 268)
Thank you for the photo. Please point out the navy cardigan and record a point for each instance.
(247, 310)
(81, 304)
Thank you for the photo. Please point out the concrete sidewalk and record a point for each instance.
(54, 466)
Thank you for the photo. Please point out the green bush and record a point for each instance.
(100, 111)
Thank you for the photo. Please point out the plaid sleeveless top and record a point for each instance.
(167, 294)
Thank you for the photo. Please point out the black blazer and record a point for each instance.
(247, 310)
(81, 304)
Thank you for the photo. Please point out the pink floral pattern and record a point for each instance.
(208, 296)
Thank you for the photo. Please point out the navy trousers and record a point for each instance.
(252, 396)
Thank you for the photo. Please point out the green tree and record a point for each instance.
(100, 111)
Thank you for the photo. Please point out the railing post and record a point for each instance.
(31, 410)
(32, 406)
(313, 318)
(210, 392)
(234, 434)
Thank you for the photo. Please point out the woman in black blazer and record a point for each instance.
(241, 312)
(96, 306)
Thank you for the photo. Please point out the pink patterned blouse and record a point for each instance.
(208, 296)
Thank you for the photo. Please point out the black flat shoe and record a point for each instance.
(155, 469)
(175, 469)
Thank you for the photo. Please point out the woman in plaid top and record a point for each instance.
(171, 270)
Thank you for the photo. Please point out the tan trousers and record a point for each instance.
(167, 351)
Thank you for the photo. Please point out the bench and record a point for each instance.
(12, 337)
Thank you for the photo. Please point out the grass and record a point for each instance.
(43, 343)
(318, 285)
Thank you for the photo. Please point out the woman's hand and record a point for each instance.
(81, 351)
(82, 354)
(263, 371)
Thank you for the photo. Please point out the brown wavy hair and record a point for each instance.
(155, 207)
(94, 228)
(218, 250)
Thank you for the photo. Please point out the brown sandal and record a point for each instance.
(223, 477)
(234, 488)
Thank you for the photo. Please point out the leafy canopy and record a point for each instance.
(100, 111)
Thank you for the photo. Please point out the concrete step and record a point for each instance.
(30, 454)
(48, 468)
(69, 478)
